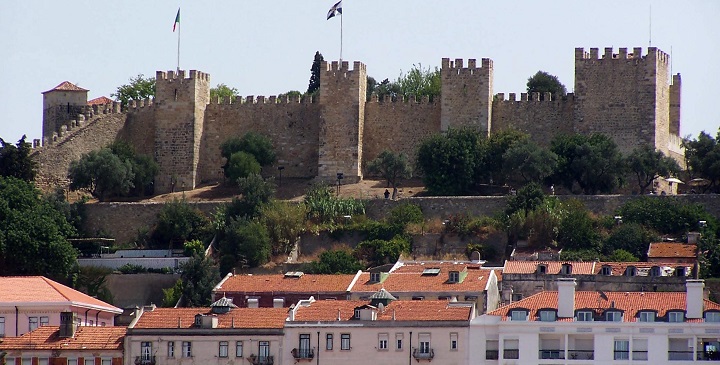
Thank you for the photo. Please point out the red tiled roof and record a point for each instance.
(553, 267)
(618, 268)
(628, 302)
(672, 250)
(404, 310)
(307, 283)
(41, 290)
(412, 280)
(237, 318)
(100, 101)
(86, 338)
(66, 86)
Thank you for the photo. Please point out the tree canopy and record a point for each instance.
(543, 82)
(418, 81)
(15, 160)
(138, 88)
(592, 162)
(528, 161)
(449, 162)
(702, 156)
(648, 164)
(314, 83)
(246, 155)
(391, 167)
(199, 277)
(224, 92)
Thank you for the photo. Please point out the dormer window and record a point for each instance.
(584, 316)
(547, 315)
(655, 271)
(375, 277)
(631, 271)
(646, 316)
(606, 270)
(712, 317)
(356, 315)
(198, 320)
(518, 315)
(676, 317)
(613, 316)
(454, 277)
(680, 271)
(566, 269)
(542, 269)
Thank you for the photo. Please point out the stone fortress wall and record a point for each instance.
(627, 96)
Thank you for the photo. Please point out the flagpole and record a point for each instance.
(178, 49)
(341, 36)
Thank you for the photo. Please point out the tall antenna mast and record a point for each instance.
(650, 26)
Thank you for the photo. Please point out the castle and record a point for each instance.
(626, 95)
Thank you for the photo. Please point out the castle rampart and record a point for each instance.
(466, 94)
(541, 119)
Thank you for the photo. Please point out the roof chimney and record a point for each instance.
(694, 298)
(566, 297)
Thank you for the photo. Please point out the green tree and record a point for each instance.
(314, 84)
(194, 247)
(379, 252)
(578, 229)
(490, 161)
(621, 255)
(630, 237)
(139, 88)
(543, 82)
(335, 262)
(382, 89)
(241, 165)
(702, 157)
(527, 160)
(391, 167)
(102, 173)
(666, 216)
(284, 222)
(179, 222)
(15, 160)
(172, 295)
(324, 207)
(404, 214)
(527, 199)
(224, 92)
(92, 280)
(144, 168)
(420, 82)
(649, 164)
(247, 242)
(199, 277)
(33, 238)
(593, 162)
(255, 144)
(256, 192)
(449, 162)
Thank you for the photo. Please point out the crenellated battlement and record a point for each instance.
(343, 66)
(535, 96)
(401, 99)
(623, 54)
(260, 99)
(449, 67)
(174, 75)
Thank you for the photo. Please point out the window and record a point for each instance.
(630, 271)
(646, 316)
(584, 316)
(345, 341)
(640, 349)
(146, 350)
(680, 271)
(11, 361)
(91, 323)
(171, 349)
(613, 316)
(32, 323)
(356, 315)
(548, 316)
(44, 361)
(491, 350)
(676, 317)
(238, 348)
(542, 269)
(304, 345)
(418, 297)
(606, 270)
(223, 349)
(453, 342)
(329, 341)
(454, 277)
(655, 271)
(382, 341)
(44, 321)
(621, 350)
(424, 342)
(398, 341)
(264, 350)
(187, 349)
(518, 315)
(2, 326)
(88, 361)
(102, 362)
(510, 349)
(566, 269)
(709, 317)
(70, 361)
(516, 297)
(375, 277)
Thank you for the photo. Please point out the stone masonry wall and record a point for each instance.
(467, 94)
(398, 126)
(675, 91)
(542, 120)
(292, 125)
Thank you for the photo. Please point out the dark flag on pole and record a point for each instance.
(336, 9)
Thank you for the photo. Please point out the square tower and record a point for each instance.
(467, 93)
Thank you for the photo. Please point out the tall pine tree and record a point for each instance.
(314, 84)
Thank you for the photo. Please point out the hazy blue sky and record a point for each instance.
(266, 47)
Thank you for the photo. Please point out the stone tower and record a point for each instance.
(467, 94)
(61, 104)
(180, 104)
(625, 96)
(342, 105)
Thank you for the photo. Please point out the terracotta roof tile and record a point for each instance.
(643, 268)
(86, 338)
(66, 86)
(404, 310)
(553, 267)
(39, 289)
(629, 302)
(672, 250)
(102, 100)
(237, 318)
(412, 280)
(307, 283)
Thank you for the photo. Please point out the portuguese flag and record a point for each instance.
(177, 20)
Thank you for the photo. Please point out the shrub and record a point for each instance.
(404, 214)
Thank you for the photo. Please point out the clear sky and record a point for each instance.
(266, 47)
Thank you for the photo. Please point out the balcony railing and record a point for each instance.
(427, 354)
(639, 355)
(581, 354)
(552, 354)
(261, 360)
(511, 354)
(708, 355)
(492, 354)
(305, 354)
(144, 360)
(680, 355)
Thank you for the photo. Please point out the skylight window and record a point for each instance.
(431, 271)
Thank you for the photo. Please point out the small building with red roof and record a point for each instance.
(673, 251)
(600, 327)
(29, 302)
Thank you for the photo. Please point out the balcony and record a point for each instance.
(708, 356)
(423, 354)
(511, 354)
(261, 360)
(581, 354)
(144, 360)
(686, 355)
(303, 354)
(492, 354)
(552, 354)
